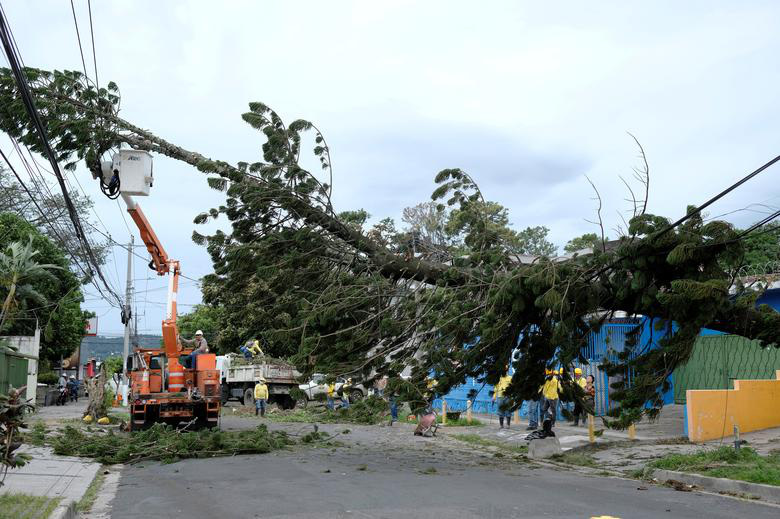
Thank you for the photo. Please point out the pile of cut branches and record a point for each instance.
(164, 443)
(367, 411)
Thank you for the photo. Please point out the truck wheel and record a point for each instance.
(355, 395)
(249, 397)
(301, 403)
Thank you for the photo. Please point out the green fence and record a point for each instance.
(717, 360)
(13, 371)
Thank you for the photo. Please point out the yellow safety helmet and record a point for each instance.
(577, 371)
(548, 371)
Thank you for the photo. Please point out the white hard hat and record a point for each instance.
(199, 332)
(261, 379)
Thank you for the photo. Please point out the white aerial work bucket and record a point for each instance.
(135, 172)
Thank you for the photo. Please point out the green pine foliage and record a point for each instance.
(346, 301)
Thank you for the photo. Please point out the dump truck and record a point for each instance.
(238, 377)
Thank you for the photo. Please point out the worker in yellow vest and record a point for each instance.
(261, 396)
(501, 403)
(550, 392)
(578, 410)
(331, 395)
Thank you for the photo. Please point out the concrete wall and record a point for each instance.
(29, 346)
(752, 405)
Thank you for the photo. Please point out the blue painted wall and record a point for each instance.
(608, 342)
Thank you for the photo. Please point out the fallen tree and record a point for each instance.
(165, 443)
(351, 305)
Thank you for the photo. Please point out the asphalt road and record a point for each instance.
(387, 479)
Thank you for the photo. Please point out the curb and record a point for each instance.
(768, 493)
(66, 510)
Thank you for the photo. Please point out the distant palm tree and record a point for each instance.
(18, 270)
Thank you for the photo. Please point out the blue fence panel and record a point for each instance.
(607, 343)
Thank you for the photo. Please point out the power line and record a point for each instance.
(78, 37)
(717, 197)
(13, 57)
(690, 215)
(50, 224)
(38, 167)
(42, 195)
(92, 34)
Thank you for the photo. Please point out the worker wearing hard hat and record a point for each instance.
(430, 388)
(251, 349)
(261, 396)
(200, 346)
(550, 392)
(344, 391)
(331, 395)
(578, 410)
(501, 402)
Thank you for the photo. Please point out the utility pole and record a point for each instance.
(126, 311)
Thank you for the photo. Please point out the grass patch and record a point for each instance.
(23, 506)
(477, 440)
(576, 458)
(744, 464)
(429, 471)
(88, 499)
(165, 443)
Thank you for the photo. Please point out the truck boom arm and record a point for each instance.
(163, 265)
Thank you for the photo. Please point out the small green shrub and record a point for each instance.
(49, 378)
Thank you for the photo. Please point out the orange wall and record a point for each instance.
(752, 405)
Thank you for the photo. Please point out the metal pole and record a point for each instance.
(126, 310)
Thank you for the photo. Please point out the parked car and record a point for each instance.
(317, 389)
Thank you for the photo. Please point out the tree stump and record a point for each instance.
(97, 392)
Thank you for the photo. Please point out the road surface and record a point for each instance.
(388, 473)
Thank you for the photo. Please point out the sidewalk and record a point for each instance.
(49, 475)
(52, 476)
(668, 427)
(613, 450)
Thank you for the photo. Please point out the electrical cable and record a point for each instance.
(39, 167)
(92, 35)
(718, 196)
(78, 37)
(53, 228)
(693, 213)
(27, 99)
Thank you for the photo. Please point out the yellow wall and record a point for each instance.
(752, 405)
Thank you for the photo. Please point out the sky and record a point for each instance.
(531, 99)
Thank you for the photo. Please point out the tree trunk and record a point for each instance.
(97, 392)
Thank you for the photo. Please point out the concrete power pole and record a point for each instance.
(126, 312)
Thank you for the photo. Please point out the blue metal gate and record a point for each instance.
(606, 344)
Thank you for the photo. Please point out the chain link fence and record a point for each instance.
(718, 360)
